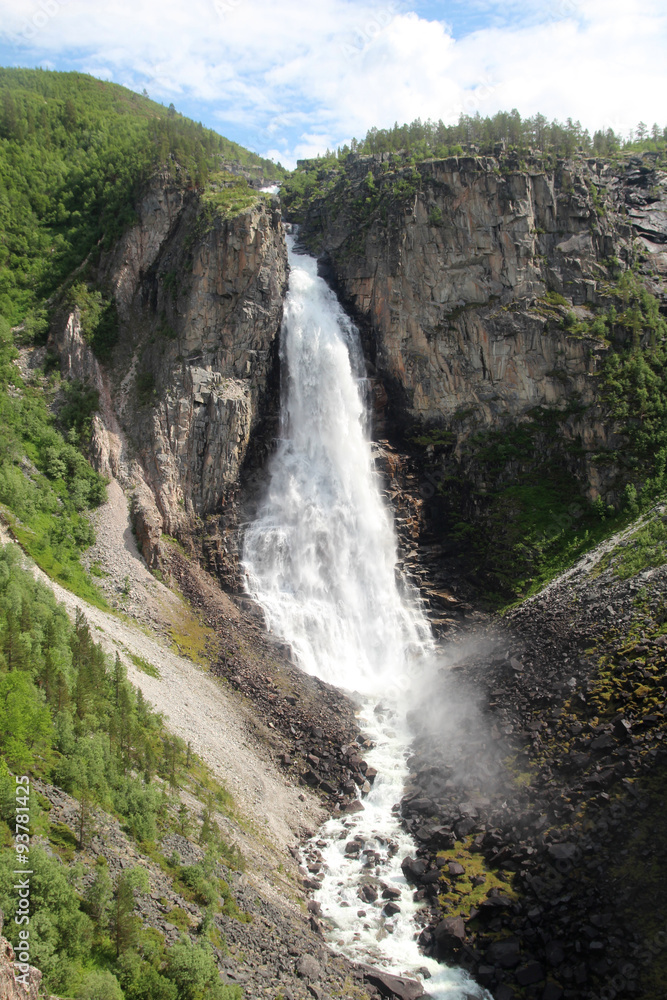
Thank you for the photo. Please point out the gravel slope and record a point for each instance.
(197, 707)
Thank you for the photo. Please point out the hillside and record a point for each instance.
(508, 280)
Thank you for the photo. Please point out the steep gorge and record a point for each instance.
(454, 280)
(483, 287)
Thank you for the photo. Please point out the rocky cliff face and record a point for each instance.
(462, 272)
(18, 980)
(194, 375)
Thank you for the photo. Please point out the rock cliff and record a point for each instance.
(465, 273)
(194, 373)
(18, 980)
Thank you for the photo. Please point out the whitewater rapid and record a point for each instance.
(320, 558)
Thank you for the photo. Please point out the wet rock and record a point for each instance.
(394, 987)
(413, 868)
(354, 807)
(391, 893)
(369, 893)
(392, 908)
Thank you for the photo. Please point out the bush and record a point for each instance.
(100, 986)
(145, 388)
(195, 974)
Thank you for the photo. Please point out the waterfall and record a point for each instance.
(320, 559)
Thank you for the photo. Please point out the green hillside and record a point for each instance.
(74, 155)
(74, 152)
(69, 716)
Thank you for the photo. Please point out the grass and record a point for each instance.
(646, 548)
(190, 638)
(463, 896)
(144, 665)
(534, 532)
(179, 918)
(228, 194)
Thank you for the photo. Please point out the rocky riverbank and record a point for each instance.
(537, 787)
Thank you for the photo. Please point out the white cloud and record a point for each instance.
(277, 71)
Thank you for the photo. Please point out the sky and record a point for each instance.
(290, 79)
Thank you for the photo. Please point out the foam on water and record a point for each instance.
(320, 558)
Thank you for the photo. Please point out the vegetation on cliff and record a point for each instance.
(75, 155)
(408, 144)
(532, 518)
(68, 715)
(420, 139)
(47, 487)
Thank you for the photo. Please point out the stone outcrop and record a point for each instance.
(448, 267)
(194, 375)
(27, 986)
(78, 363)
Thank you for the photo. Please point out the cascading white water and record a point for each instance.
(320, 558)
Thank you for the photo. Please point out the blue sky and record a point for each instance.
(288, 79)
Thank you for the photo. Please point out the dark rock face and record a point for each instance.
(450, 284)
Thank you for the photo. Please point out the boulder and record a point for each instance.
(529, 974)
(391, 892)
(506, 954)
(449, 936)
(308, 968)
(394, 987)
(413, 868)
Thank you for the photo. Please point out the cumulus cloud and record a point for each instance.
(289, 79)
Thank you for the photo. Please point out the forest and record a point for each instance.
(74, 154)
(69, 716)
(420, 139)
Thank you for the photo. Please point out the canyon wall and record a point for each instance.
(477, 280)
(193, 378)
